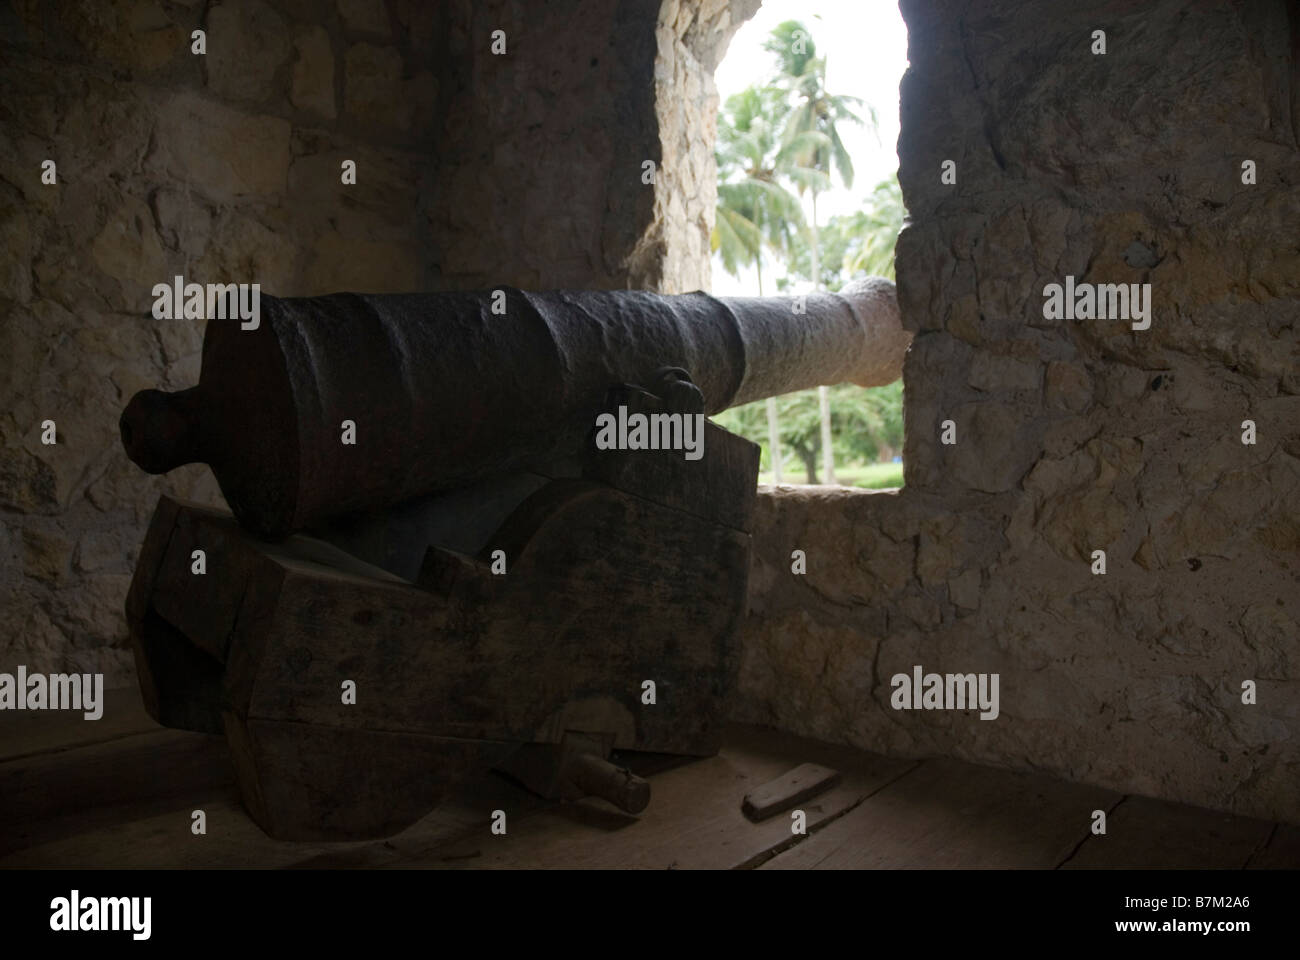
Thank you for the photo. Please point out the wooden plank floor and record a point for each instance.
(120, 793)
(949, 814)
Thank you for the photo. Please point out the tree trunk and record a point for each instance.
(884, 452)
(823, 393)
(809, 458)
(774, 441)
(828, 451)
(773, 424)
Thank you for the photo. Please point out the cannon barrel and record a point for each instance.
(446, 388)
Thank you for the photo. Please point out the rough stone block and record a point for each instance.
(247, 42)
(313, 73)
(220, 152)
(365, 16)
(373, 88)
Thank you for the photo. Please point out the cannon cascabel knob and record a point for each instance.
(160, 430)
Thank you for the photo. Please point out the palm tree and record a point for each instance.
(754, 209)
(874, 231)
(811, 148)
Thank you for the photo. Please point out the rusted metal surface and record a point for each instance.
(443, 391)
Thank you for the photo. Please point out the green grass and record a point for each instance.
(872, 476)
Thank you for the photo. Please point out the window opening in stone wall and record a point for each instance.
(808, 199)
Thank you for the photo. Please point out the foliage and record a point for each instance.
(873, 232)
(866, 424)
(810, 137)
(755, 210)
(858, 245)
(776, 141)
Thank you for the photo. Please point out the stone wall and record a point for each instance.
(472, 169)
(1075, 436)
(541, 176)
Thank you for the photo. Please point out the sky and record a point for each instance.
(865, 45)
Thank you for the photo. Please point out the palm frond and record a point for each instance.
(840, 155)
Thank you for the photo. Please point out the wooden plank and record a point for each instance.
(148, 835)
(1147, 833)
(802, 783)
(152, 551)
(694, 820)
(154, 830)
(165, 840)
(25, 733)
(718, 488)
(950, 814)
(98, 787)
(303, 781)
(465, 816)
(1280, 852)
(476, 662)
(134, 823)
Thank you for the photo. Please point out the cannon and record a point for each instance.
(436, 564)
